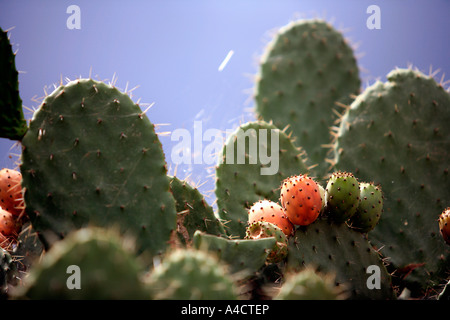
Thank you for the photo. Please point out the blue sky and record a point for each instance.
(172, 50)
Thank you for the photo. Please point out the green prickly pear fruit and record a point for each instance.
(269, 211)
(343, 196)
(444, 225)
(300, 196)
(370, 208)
(264, 229)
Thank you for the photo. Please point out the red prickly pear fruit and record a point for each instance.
(8, 224)
(444, 225)
(269, 211)
(301, 198)
(11, 197)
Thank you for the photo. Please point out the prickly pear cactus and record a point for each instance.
(91, 157)
(340, 250)
(262, 230)
(89, 264)
(187, 274)
(241, 179)
(8, 273)
(396, 134)
(12, 122)
(242, 256)
(304, 71)
(310, 285)
(193, 212)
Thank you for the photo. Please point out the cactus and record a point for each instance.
(305, 70)
(238, 186)
(193, 212)
(369, 209)
(338, 249)
(264, 229)
(243, 256)
(12, 122)
(395, 132)
(187, 274)
(310, 285)
(300, 196)
(8, 273)
(107, 266)
(343, 196)
(91, 157)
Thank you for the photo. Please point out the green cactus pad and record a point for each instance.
(239, 186)
(396, 134)
(310, 285)
(187, 274)
(337, 249)
(193, 212)
(304, 71)
(243, 256)
(91, 157)
(263, 229)
(108, 269)
(12, 122)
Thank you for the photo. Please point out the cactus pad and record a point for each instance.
(395, 134)
(91, 157)
(12, 122)
(108, 269)
(193, 212)
(342, 251)
(240, 185)
(304, 71)
(187, 274)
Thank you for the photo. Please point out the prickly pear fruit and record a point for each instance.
(300, 196)
(444, 225)
(264, 229)
(370, 208)
(323, 195)
(11, 197)
(269, 211)
(343, 196)
(8, 225)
